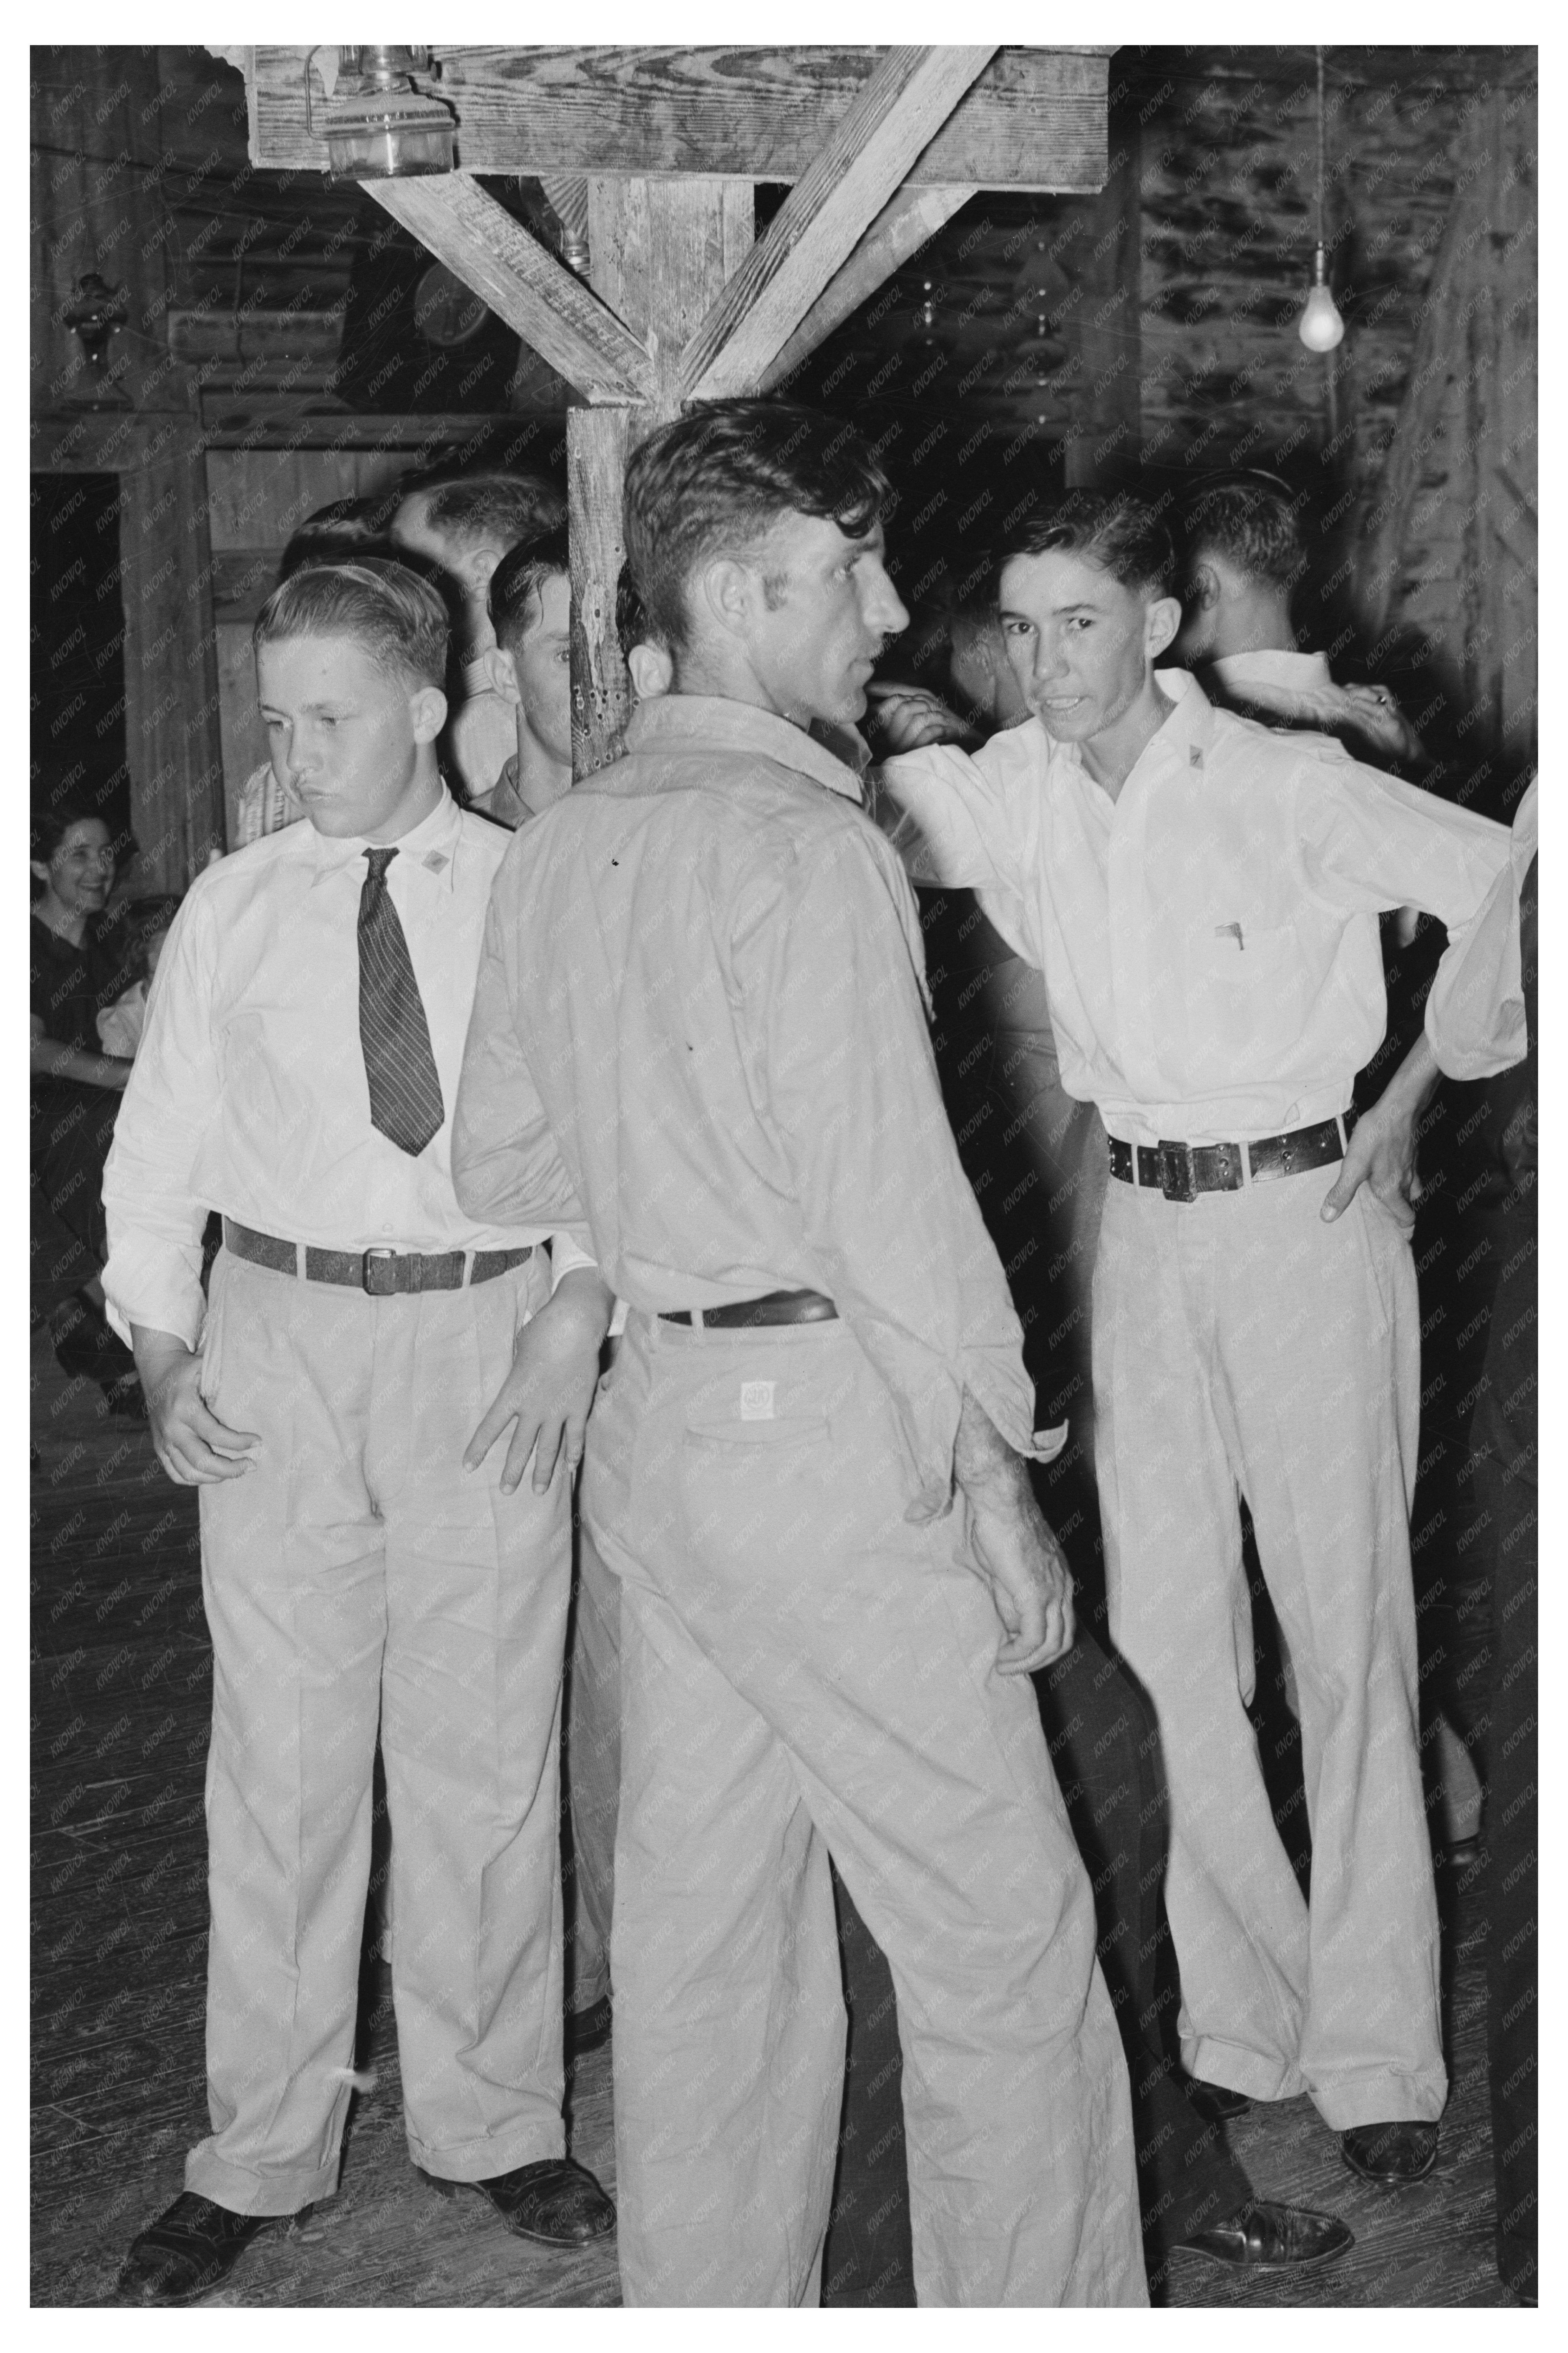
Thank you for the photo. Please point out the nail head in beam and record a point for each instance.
(895, 118)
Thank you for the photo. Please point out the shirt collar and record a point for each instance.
(671, 721)
(1183, 736)
(1275, 667)
(430, 846)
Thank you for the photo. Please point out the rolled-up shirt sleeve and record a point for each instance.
(1476, 1018)
(825, 968)
(1371, 843)
(155, 1220)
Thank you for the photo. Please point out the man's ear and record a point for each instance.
(428, 709)
(1162, 619)
(501, 674)
(1202, 589)
(478, 565)
(651, 671)
(728, 590)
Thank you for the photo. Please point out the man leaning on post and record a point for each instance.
(699, 1026)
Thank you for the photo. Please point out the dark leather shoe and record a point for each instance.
(1391, 2155)
(1263, 2237)
(555, 2201)
(1213, 2102)
(587, 2028)
(189, 2249)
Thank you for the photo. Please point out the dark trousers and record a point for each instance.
(1100, 1731)
(1507, 1471)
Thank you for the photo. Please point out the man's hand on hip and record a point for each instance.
(549, 1390)
(1381, 1150)
(194, 1446)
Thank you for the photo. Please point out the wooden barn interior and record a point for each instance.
(1017, 271)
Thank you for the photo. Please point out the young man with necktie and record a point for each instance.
(1203, 896)
(298, 1073)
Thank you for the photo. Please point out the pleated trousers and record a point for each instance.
(358, 1574)
(1244, 1347)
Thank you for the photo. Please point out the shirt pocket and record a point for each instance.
(1241, 989)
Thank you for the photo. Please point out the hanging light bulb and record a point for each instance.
(1320, 326)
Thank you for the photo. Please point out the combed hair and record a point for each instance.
(1125, 536)
(384, 606)
(518, 582)
(1249, 521)
(498, 508)
(340, 531)
(717, 479)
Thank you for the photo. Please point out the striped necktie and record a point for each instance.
(405, 1089)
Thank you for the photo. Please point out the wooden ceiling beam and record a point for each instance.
(826, 213)
(1034, 120)
(899, 229)
(555, 314)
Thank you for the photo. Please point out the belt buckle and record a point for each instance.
(370, 1259)
(1176, 1177)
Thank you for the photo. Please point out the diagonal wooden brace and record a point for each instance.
(828, 211)
(555, 314)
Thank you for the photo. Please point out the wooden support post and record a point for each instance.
(1108, 427)
(826, 213)
(172, 738)
(661, 252)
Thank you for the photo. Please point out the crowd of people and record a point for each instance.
(623, 1345)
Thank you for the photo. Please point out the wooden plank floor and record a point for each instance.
(122, 1689)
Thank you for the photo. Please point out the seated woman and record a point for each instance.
(78, 965)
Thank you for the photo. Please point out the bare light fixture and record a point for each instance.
(1320, 326)
(376, 124)
(95, 310)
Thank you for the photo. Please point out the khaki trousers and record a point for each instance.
(803, 1669)
(358, 1573)
(1242, 1344)
(592, 1766)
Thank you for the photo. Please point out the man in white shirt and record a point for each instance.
(466, 526)
(1242, 560)
(1203, 898)
(335, 1403)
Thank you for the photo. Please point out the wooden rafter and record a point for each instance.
(554, 312)
(827, 212)
(1034, 120)
(901, 228)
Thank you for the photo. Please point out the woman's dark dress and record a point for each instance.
(72, 1123)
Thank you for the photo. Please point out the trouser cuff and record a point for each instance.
(243, 2191)
(482, 2160)
(1379, 2096)
(1237, 2068)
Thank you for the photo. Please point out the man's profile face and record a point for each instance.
(1076, 642)
(827, 610)
(541, 663)
(344, 734)
(469, 563)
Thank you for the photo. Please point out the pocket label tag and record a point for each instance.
(756, 1401)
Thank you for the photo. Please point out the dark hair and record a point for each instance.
(518, 582)
(715, 481)
(339, 531)
(1251, 519)
(633, 627)
(397, 617)
(1125, 536)
(499, 507)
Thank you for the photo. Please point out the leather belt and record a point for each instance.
(384, 1273)
(773, 1307)
(1182, 1171)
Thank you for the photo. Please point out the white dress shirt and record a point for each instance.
(1210, 938)
(250, 1092)
(482, 734)
(1295, 685)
